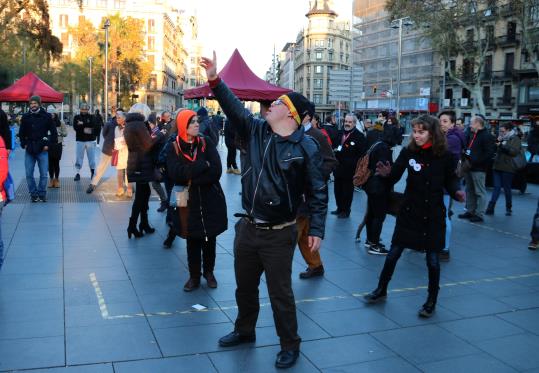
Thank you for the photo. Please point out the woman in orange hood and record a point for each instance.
(194, 164)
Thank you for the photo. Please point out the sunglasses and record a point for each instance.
(277, 102)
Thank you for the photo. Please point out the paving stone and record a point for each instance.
(423, 344)
(94, 368)
(475, 305)
(391, 364)
(517, 351)
(31, 329)
(480, 363)
(184, 364)
(98, 344)
(481, 328)
(31, 353)
(333, 352)
(527, 320)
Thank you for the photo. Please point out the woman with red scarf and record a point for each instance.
(421, 219)
(194, 167)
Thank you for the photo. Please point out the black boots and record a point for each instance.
(377, 295)
(92, 172)
(132, 229)
(490, 208)
(508, 209)
(427, 310)
(170, 239)
(144, 226)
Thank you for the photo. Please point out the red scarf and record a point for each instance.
(426, 145)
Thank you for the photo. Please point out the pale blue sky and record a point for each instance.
(253, 26)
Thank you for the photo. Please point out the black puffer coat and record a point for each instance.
(207, 206)
(421, 220)
(381, 152)
(140, 163)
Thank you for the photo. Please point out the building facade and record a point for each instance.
(376, 52)
(509, 84)
(286, 66)
(322, 46)
(164, 44)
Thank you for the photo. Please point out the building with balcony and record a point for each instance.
(323, 45)
(164, 43)
(286, 66)
(509, 84)
(375, 51)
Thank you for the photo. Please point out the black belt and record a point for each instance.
(265, 226)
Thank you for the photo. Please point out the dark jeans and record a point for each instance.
(535, 224)
(198, 249)
(270, 251)
(501, 180)
(55, 154)
(433, 265)
(376, 214)
(140, 204)
(344, 193)
(231, 157)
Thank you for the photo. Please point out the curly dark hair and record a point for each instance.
(431, 124)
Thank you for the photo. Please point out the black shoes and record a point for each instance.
(169, 240)
(286, 359)
(312, 272)
(43, 199)
(444, 255)
(427, 310)
(77, 177)
(234, 339)
(344, 215)
(466, 215)
(163, 207)
(476, 219)
(191, 284)
(376, 296)
(132, 229)
(35, 199)
(336, 212)
(145, 227)
(490, 208)
(90, 189)
(210, 280)
(533, 245)
(378, 249)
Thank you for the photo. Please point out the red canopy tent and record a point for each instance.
(28, 86)
(242, 81)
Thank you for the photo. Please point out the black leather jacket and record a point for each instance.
(276, 170)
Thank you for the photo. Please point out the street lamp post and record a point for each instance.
(399, 23)
(106, 27)
(91, 93)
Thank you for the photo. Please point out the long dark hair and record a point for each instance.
(432, 125)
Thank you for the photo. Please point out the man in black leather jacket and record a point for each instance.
(281, 165)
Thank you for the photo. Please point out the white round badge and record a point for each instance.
(352, 143)
(412, 162)
(417, 167)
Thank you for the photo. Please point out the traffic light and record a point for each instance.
(374, 89)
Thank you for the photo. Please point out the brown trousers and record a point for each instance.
(312, 259)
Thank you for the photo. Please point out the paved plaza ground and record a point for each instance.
(76, 295)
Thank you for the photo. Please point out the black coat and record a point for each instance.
(108, 136)
(140, 163)
(533, 140)
(381, 152)
(278, 171)
(37, 131)
(206, 205)
(87, 131)
(421, 220)
(482, 150)
(351, 150)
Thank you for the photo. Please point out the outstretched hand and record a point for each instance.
(314, 243)
(210, 65)
(383, 169)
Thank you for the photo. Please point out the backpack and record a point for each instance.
(363, 172)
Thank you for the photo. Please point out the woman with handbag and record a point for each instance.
(503, 170)
(119, 160)
(194, 166)
(140, 167)
(421, 220)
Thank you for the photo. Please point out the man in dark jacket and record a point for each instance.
(350, 146)
(312, 258)
(331, 129)
(37, 132)
(98, 125)
(206, 126)
(5, 130)
(533, 141)
(479, 151)
(166, 124)
(281, 166)
(108, 147)
(230, 142)
(85, 130)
